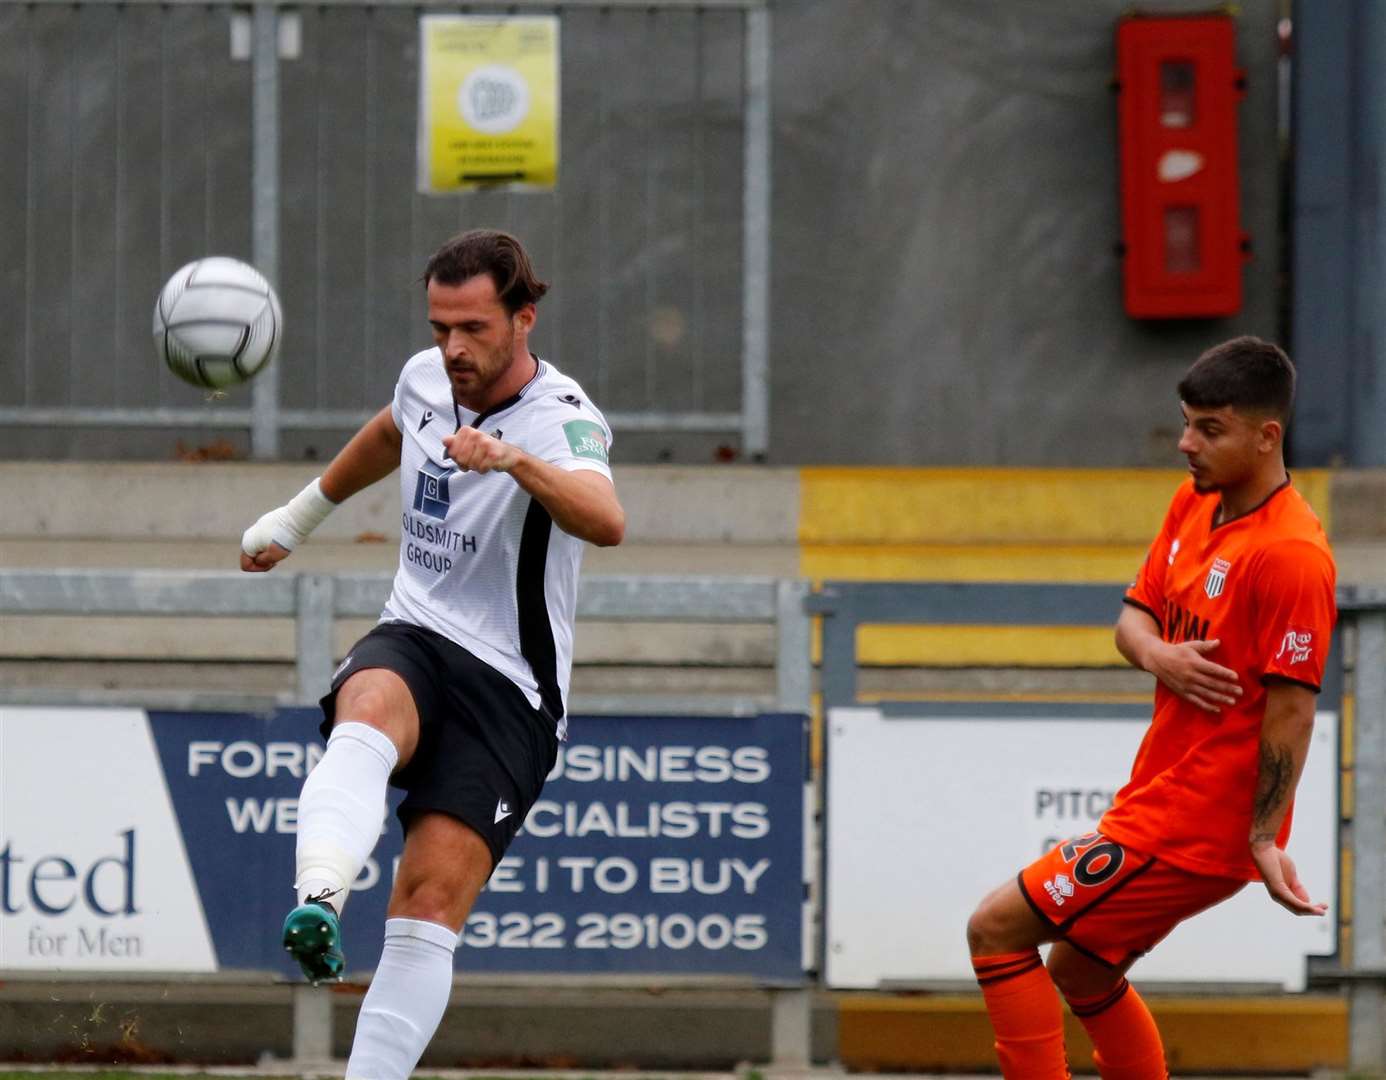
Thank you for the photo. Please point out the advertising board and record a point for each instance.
(930, 807)
(164, 841)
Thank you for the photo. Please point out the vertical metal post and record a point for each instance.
(794, 650)
(791, 1028)
(837, 681)
(1326, 231)
(312, 1025)
(313, 644)
(791, 1010)
(755, 302)
(1367, 378)
(1366, 1019)
(264, 65)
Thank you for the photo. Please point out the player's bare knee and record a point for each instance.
(984, 929)
(372, 697)
(1078, 977)
(431, 899)
(366, 698)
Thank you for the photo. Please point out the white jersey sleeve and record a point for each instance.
(570, 432)
(420, 362)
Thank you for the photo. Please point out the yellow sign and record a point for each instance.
(488, 102)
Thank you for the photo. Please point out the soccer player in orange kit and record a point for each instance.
(1232, 613)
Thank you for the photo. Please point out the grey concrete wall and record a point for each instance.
(945, 286)
(217, 502)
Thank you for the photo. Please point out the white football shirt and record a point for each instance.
(480, 560)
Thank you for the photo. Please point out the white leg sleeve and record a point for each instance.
(406, 1000)
(341, 811)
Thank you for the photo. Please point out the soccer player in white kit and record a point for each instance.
(458, 694)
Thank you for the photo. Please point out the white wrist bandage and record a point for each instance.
(289, 525)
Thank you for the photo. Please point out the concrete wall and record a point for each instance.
(945, 286)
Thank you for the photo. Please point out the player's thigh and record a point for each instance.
(441, 872)
(390, 681)
(381, 699)
(1004, 922)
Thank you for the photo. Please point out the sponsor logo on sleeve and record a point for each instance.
(586, 439)
(1217, 578)
(1296, 646)
(1173, 551)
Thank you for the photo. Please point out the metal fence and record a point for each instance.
(142, 134)
(316, 600)
(1357, 670)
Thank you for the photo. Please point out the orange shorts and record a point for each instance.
(1114, 903)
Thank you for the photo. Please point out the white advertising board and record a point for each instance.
(93, 873)
(927, 813)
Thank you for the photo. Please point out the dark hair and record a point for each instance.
(488, 251)
(1245, 373)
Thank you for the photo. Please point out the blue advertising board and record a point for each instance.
(659, 845)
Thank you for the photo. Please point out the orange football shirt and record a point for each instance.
(1263, 585)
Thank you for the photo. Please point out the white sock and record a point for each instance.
(341, 810)
(405, 1003)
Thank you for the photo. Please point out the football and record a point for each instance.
(217, 322)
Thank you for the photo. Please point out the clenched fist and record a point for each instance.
(475, 451)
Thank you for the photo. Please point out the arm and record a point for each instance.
(371, 455)
(1285, 731)
(1183, 668)
(582, 503)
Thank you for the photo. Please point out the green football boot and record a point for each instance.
(313, 934)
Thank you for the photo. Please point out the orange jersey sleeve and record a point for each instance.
(1296, 610)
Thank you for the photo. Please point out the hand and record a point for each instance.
(265, 560)
(1185, 669)
(475, 451)
(1282, 880)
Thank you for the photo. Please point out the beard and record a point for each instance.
(475, 379)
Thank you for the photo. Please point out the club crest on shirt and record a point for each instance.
(1217, 578)
(431, 490)
(1296, 646)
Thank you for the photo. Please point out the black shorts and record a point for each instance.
(484, 751)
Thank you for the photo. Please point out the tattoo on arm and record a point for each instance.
(1272, 784)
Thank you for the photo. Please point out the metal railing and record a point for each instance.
(642, 264)
(315, 601)
(1358, 667)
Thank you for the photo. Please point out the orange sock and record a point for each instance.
(1025, 1014)
(1125, 1041)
